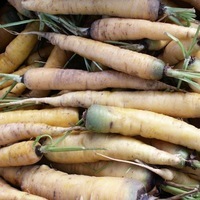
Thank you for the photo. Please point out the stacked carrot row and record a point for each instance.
(99, 100)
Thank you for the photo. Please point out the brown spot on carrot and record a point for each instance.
(111, 124)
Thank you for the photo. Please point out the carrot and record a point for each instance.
(40, 55)
(172, 53)
(113, 145)
(154, 45)
(5, 82)
(14, 132)
(52, 116)
(74, 79)
(108, 119)
(124, 60)
(57, 58)
(18, 50)
(11, 193)
(176, 104)
(31, 178)
(20, 154)
(109, 168)
(151, 10)
(135, 29)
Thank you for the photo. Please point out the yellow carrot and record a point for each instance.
(43, 181)
(11, 193)
(109, 168)
(131, 122)
(14, 132)
(135, 29)
(112, 145)
(20, 154)
(18, 50)
(74, 79)
(52, 116)
(176, 104)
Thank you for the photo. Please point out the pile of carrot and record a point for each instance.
(99, 99)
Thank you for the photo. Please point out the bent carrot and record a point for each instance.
(108, 119)
(20, 154)
(74, 79)
(11, 193)
(18, 49)
(14, 132)
(176, 104)
(31, 178)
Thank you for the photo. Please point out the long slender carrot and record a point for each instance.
(52, 116)
(32, 178)
(135, 29)
(20, 154)
(131, 122)
(113, 145)
(176, 104)
(151, 9)
(74, 79)
(11, 193)
(124, 60)
(14, 132)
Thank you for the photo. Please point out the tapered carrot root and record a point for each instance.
(109, 168)
(134, 29)
(20, 154)
(116, 146)
(51, 116)
(73, 79)
(14, 132)
(177, 104)
(130, 9)
(124, 60)
(108, 119)
(18, 50)
(11, 193)
(32, 178)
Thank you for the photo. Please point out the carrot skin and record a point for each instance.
(31, 178)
